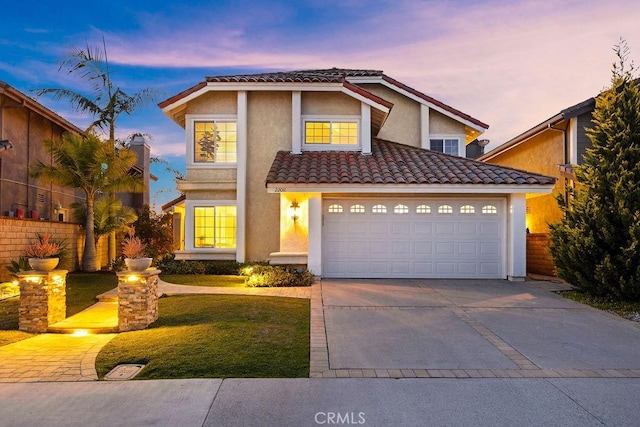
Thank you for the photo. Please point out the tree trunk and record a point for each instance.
(89, 254)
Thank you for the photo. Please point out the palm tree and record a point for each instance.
(108, 215)
(86, 163)
(106, 102)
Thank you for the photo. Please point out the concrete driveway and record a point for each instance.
(467, 328)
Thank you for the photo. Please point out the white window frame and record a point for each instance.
(189, 232)
(190, 120)
(332, 147)
(460, 138)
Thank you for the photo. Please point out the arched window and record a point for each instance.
(489, 209)
(401, 209)
(445, 209)
(467, 209)
(423, 209)
(379, 209)
(335, 209)
(357, 209)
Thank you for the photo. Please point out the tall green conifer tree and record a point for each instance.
(596, 247)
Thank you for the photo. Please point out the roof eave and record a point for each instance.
(274, 187)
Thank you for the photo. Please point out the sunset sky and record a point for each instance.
(511, 64)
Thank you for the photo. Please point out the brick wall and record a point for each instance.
(538, 257)
(16, 233)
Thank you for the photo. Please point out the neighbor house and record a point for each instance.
(348, 172)
(552, 148)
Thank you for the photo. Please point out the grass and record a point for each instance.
(621, 308)
(205, 280)
(82, 289)
(217, 336)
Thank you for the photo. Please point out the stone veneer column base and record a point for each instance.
(137, 299)
(43, 299)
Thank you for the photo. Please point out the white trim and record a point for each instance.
(241, 177)
(314, 246)
(425, 139)
(296, 122)
(573, 140)
(189, 223)
(190, 120)
(273, 86)
(517, 237)
(366, 100)
(364, 128)
(332, 118)
(416, 98)
(487, 189)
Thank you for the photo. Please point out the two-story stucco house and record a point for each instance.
(349, 172)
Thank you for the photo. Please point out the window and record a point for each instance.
(357, 209)
(330, 132)
(445, 145)
(214, 226)
(379, 209)
(489, 209)
(423, 209)
(401, 209)
(335, 209)
(467, 209)
(215, 141)
(445, 209)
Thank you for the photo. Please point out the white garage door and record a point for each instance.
(422, 238)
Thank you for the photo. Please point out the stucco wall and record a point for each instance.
(441, 124)
(212, 174)
(403, 123)
(269, 130)
(214, 103)
(541, 154)
(329, 103)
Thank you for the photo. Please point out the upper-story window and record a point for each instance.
(445, 145)
(215, 141)
(337, 133)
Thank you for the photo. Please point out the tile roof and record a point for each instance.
(330, 75)
(393, 163)
(327, 75)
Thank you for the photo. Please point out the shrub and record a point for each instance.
(169, 265)
(276, 276)
(43, 247)
(22, 264)
(132, 245)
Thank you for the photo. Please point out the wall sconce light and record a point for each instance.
(58, 208)
(294, 210)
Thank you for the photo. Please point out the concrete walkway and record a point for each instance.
(66, 355)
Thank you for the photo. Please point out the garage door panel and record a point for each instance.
(414, 241)
(400, 228)
(379, 248)
(423, 228)
(445, 229)
(401, 248)
(468, 248)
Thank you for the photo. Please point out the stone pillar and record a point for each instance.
(137, 299)
(43, 299)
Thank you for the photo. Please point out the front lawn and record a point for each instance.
(205, 280)
(217, 336)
